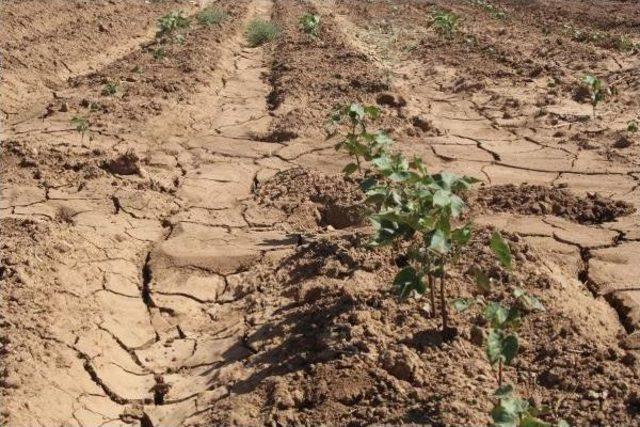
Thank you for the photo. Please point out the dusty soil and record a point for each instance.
(195, 257)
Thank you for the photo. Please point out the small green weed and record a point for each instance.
(110, 89)
(171, 22)
(632, 126)
(495, 11)
(80, 124)
(159, 53)
(310, 24)
(597, 90)
(212, 16)
(445, 23)
(259, 32)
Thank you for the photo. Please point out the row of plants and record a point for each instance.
(419, 214)
(620, 42)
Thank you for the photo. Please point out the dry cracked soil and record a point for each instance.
(194, 256)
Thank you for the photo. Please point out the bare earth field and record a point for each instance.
(180, 247)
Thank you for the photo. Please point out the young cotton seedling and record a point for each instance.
(259, 32)
(407, 203)
(445, 23)
(359, 143)
(310, 24)
(597, 90)
(632, 126)
(81, 125)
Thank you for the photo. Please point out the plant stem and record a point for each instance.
(499, 373)
(443, 299)
(432, 290)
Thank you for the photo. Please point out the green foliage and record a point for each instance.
(501, 248)
(445, 23)
(171, 22)
(423, 210)
(212, 16)
(407, 203)
(359, 143)
(310, 24)
(632, 126)
(159, 53)
(259, 32)
(620, 42)
(495, 11)
(80, 124)
(597, 90)
(110, 89)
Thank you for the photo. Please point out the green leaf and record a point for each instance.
(350, 168)
(501, 317)
(508, 411)
(456, 205)
(461, 236)
(383, 139)
(562, 423)
(500, 346)
(383, 163)
(408, 280)
(500, 247)
(496, 314)
(442, 198)
(368, 184)
(372, 111)
(531, 421)
(462, 304)
(439, 242)
(399, 176)
(356, 112)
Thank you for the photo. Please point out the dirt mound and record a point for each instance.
(540, 200)
(313, 199)
(341, 348)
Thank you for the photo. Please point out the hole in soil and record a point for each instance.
(314, 198)
(540, 200)
(278, 136)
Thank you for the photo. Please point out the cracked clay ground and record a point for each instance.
(193, 260)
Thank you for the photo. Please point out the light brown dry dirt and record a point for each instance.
(196, 257)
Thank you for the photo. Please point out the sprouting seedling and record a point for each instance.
(310, 24)
(110, 89)
(171, 22)
(445, 23)
(495, 11)
(597, 90)
(359, 143)
(179, 38)
(502, 342)
(81, 125)
(212, 16)
(513, 411)
(632, 126)
(159, 53)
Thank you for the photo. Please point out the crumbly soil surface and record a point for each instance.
(195, 256)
